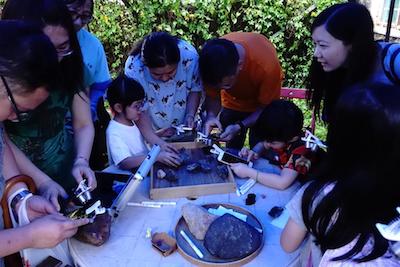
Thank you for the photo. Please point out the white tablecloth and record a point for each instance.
(128, 245)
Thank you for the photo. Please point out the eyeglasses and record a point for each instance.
(21, 116)
(85, 18)
(139, 105)
(64, 53)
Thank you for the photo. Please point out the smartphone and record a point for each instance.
(227, 158)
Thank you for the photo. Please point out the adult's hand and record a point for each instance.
(230, 132)
(50, 230)
(242, 170)
(171, 159)
(81, 170)
(248, 154)
(210, 124)
(37, 206)
(50, 190)
(189, 120)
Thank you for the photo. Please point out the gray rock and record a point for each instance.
(230, 238)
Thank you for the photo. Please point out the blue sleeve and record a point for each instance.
(391, 62)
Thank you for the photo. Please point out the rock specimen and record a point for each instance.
(193, 167)
(170, 175)
(184, 155)
(96, 233)
(161, 174)
(198, 219)
(205, 165)
(229, 238)
(222, 171)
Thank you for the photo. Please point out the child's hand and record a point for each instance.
(248, 154)
(168, 158)
(165, 132)
(241, 170)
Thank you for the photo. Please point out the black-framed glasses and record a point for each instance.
(21, 116)
(85, 18)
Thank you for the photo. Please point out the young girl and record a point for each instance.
(126, 148)
(167, 68)
(356, 188)
(280, 125)
(345, 54)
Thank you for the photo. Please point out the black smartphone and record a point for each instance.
(228, 158)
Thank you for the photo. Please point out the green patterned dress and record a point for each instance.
(46, 140)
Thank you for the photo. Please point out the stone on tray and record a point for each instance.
(222, 171)
(205, 165)
(198, 219)
(229, 238)
(161, 174)
(96, 233)
(193, 167)
(170, 175)
(184, 156)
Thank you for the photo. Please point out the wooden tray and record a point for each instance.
(191, 184)
(187, 252)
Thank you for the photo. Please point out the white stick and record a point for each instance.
(247, 186)
(163, 203)
(191, 244)
(133, 204)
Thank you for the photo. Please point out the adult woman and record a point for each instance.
(44, 137)
(345, 53)
(357, 188)
(167, 68)
(96, 74)
(28, 65)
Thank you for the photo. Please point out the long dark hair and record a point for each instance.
(54, 13)
(27, 57)
(362, 164)
(352, 24)
(158, 49)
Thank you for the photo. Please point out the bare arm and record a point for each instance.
(131, 162)
(281, 182)
(252, 118)
(292, 236)
(144, 125)
(192, 105)
(83, 137)
(212, 106)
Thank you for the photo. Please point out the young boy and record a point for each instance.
(126, 148)
(283, 154)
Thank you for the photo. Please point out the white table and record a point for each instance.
(128, 245)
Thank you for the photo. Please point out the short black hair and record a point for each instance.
(125, 91)
(281, 120)
(219, 58)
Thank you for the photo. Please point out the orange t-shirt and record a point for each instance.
(260, 79)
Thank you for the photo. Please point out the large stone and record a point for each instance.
(198, 219)
(96, 233)
(229, 238)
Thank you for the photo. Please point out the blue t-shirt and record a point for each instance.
(94, 58)
(166, 101)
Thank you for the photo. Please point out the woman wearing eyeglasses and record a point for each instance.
(44, 136)
(28, 66)
(96, 74)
